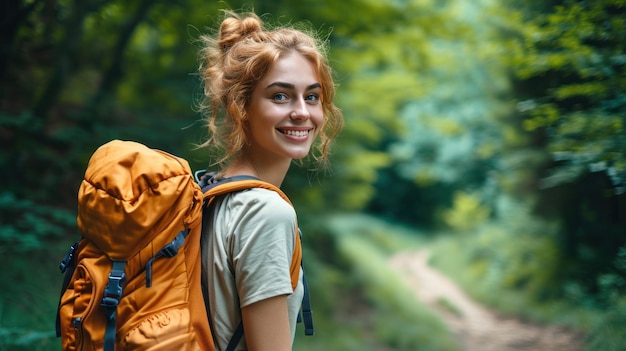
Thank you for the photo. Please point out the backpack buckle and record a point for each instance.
(115, 286)
(112, 297)
(69, 258)
(170, 250)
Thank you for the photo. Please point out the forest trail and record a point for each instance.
(477, 327)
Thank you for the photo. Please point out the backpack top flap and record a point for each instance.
(131, 193)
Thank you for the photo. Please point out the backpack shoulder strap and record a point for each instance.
(212, 187)
(237, 183)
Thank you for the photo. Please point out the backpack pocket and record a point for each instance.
(163, 331)
(82, 319)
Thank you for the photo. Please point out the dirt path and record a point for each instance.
(478, 328)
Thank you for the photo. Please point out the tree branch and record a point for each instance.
(113, 74)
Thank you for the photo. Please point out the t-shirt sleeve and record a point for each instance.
(262, 244)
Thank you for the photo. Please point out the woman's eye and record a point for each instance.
(312, 97)
(280, 97)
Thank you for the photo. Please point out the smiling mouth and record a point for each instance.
(295, 133)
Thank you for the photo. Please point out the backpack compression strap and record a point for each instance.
(117, 279)
(110, 300)
(67, 267)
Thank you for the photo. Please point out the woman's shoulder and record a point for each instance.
(256, 208)
(262, 201)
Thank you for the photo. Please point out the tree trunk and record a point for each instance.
(12, 14)
(67, 51)
(113, 74)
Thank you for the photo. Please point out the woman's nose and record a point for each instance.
(300, 110)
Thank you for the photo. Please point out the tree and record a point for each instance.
(571, 79)
(451, 122)
(78, 74)
(568, 62)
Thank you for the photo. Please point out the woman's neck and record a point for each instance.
(273, 173)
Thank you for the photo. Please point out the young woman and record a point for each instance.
(269, 97)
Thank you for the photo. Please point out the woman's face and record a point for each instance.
(285, 111)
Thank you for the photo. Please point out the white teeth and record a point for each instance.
(296, 133)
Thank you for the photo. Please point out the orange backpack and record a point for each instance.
(133, 281)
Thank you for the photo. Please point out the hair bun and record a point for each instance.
(234, 29)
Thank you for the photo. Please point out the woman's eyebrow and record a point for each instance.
(291, 86)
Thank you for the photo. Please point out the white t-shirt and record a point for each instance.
(249, 250)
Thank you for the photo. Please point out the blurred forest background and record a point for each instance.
(492, 132)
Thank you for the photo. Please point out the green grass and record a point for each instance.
(610, 333)
(29, 299)
(388, 238)
(400, 321)
(449, 306)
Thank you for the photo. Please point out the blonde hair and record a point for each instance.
(239, 56)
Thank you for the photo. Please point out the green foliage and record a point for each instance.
(529, 264)
(360, 171)
(516, 253)
(18, 339)
(454, 129)
(569, 63)
(29, 297)
(466, 214)
(448, 306)
(610, 333)
(451, 128)
(27, 225)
